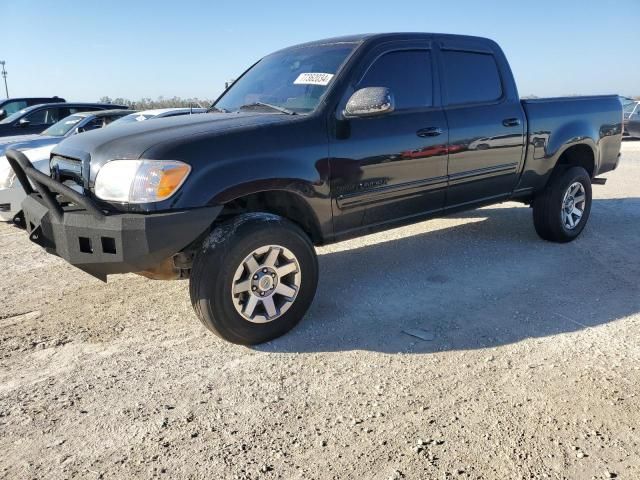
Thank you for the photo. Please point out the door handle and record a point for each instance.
(429, 132)
(511, 122)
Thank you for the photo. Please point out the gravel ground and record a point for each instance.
(529, 366)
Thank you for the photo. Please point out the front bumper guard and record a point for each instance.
(71, 226)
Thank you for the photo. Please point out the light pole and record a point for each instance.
(4, 75)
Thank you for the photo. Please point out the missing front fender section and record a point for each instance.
(164, 271)
(173, 268)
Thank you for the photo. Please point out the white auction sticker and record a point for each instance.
(313, 79)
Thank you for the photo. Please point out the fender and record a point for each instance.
(224, 181)
(577, 132)
(546, 146)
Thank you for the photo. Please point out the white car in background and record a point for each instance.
(158, 113)
(37, 148)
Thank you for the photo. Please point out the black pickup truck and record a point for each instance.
(313, 144)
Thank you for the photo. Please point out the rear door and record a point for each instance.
(486, 126)
(392, 167)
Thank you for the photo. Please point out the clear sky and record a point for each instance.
(85, 49)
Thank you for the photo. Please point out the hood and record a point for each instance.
(131, 141)
(17, 138)
(23, 142)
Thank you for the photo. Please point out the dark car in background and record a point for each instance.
(12, 105)
(37, 118)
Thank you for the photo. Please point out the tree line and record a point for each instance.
(160, 102)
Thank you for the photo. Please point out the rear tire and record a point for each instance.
(254, 278)
(562, 210)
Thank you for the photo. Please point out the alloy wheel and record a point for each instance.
(573, 205)
(266, 284)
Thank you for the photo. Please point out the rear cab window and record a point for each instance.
(471, 77)
(12, 107)
(80, 109)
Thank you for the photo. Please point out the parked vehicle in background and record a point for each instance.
(37, 118)
(76, 123)
(38, 147)
(633, 124)
(12, 105)
(631, 110)
(159, 113)
(306, 148)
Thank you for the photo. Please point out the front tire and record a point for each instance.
(561, 211)
(254, 278)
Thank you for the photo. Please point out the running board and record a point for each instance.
(598, 181)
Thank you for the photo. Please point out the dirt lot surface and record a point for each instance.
(529, 366)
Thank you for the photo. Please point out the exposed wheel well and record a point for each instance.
(578, 155)
(279, 202)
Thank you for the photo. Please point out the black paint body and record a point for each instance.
(355, 176)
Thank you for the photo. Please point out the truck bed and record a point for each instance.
(592, 120)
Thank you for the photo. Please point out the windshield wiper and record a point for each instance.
(268, 105)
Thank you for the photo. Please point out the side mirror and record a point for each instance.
(23, 122)
(370, 102)
(3, 114)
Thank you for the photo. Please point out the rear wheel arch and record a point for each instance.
(580, 155)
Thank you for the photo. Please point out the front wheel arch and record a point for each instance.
(285, 203)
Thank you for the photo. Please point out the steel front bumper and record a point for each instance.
(98, 242)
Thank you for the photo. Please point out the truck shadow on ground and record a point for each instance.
(484, 283)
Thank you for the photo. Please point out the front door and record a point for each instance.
(393, 167)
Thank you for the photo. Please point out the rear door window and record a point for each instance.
(471, 77)
(44, 116)
(407, 73)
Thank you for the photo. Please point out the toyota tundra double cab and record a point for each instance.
(313, 144)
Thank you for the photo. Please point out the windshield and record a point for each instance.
(61, 128)
(15, 116)
(630, 109)
(291, 81)
(132, 118)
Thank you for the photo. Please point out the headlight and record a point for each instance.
(8, 179)
(7, 175)
(140, 181)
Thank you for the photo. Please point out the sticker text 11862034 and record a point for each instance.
(313, 79)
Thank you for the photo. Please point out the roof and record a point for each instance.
(67, 105)
(365, 37)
